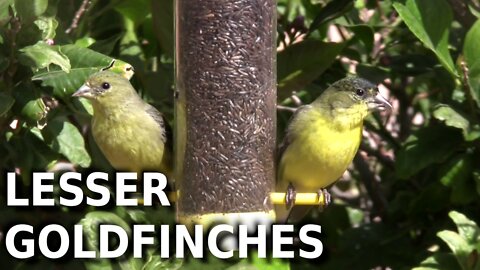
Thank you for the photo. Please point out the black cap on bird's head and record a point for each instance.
(361, 90)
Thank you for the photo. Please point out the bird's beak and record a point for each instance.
(83, 91)
(379, 103)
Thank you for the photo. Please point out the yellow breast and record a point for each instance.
(129, 142)
(320, 153)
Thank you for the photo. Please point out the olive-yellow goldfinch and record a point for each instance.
(131, 133)
(322, 138)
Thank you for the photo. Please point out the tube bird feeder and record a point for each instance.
(225, 107)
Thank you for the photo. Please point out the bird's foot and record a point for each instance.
(290, 196)
(327, 198)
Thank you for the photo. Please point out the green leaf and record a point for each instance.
(6, 103)
(473, 7)
(136, 11)
(43, 55)
(363, 33)
(476, 178)
(467, 229)
(455, 170)
(459, 246)
(210, 262)
(129, 44)
(90, 224)
(452, 118)
(155, 262)
(472, 58)
(457, 173)
(63, 137)
(28, 102)
(331, 11)
(47, 25)
(258, 263)
(30, 9)
(424, 147)
(432, 198)
(162, 13)
(4, 14)
(301, 63)
(470, 47)
(84, 63)
(84, 42)
(372, 73)
(44, 157)
(106, 46)
(431, 24)
(439, 261)
(33, 109)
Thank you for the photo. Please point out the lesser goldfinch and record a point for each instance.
(131, 133)
(322, 138)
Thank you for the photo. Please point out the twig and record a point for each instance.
(83, 8)
(367, 177)
(383, 132)
(380, 11)
(15, 27)
(462, 14)
(405, 102)
(385, 160)
(466, 87)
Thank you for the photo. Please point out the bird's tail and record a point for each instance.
(293, 215)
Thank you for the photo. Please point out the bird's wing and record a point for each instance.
(290, 135)
(158, 117)
(297, 212)
(288, 139)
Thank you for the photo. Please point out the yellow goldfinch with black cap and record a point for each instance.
(323, 137)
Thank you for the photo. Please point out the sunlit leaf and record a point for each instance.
(457, 173)
(84, 63)
(4, 14)
(84, 42)
(258, 263)
(44, 55)
(154, 262)
(47, 25)
(459, 246)
(452, 118)
(467, 228)
(136, 11)
(90, 224)
(472, 58)
(455, 170)
(439, 261)
(431, 24)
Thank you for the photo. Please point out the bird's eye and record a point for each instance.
(360, 92)
(105, 85)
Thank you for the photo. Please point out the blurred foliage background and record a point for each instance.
(411, 198)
